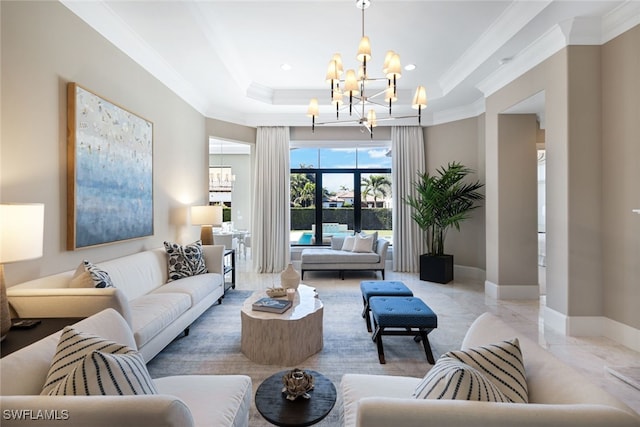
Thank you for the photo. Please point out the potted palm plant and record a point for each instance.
(442, 201)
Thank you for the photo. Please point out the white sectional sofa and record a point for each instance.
(182, 401)
(558, 395)
(336, 259)
(157, 311)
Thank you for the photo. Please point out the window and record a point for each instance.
(348, 191)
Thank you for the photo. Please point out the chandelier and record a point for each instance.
(356, 87)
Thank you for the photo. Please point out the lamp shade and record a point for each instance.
(364, 49)
(420, 98)
(351, 83)
(206, 215)
(312, 111)
(394, 67)
(371, 119)
(334, 70)
(21, 232)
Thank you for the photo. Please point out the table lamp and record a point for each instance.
(208, 217)
(21, 235)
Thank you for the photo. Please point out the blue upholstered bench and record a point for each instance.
(380, 288)
(402, 316)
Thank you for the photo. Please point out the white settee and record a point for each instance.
(182, 401)
(157, 311)
(558, 395)
(335, 259)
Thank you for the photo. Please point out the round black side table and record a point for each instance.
(278, 410)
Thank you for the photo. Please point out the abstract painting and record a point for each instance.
(110, 171)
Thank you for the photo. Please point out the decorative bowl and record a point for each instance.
(276, 292)
(297, 383)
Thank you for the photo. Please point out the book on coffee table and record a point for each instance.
(271, 305)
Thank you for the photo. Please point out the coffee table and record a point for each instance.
(277, 409)
(283, 339)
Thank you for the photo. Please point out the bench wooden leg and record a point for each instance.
(427, 346)
(377, 337)
(366, 313)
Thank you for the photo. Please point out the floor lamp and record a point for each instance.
(21, 235)
(208, 217)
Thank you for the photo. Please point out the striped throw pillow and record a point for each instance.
(185, 261)
(451, 379)
(103, 374)
(502, 364)
(72, 348)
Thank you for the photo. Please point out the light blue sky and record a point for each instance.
(374, 157)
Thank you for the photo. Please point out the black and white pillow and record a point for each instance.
(452, 379)
(185, 261)
(102, 374)
(99, 277)
(72, 348)
(501, 363)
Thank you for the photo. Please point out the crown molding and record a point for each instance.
(107, 23)
(620, 20)
(508, 24)
(545, 46)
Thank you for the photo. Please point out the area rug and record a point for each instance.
(213, 347)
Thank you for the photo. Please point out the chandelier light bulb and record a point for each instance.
(371, 118)
(387, 59)
(419, 98)
(394, 68)
(364, 50)
(312, 111)
(390, 94)
(337, 97)
(351, 83)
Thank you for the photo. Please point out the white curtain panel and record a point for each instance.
(270, 221)
(408, 159)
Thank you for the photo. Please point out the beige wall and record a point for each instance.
(459, 141)
(44, 46)
(592, 129)
(621, 175)
(550, 77)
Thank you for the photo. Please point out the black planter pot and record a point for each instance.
(436, 268)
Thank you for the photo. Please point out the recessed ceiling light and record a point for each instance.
(410, 67)
(285, 67)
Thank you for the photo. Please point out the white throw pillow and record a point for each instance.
(501, 363)
(89, 275)
(348, 243)
(81, 278)
(452, 379)
(375, 239)
(72, 348)
(106, 374)
(363, 244)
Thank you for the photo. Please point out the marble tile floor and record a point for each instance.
(460, 302)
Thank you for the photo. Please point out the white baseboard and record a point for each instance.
(592, 326)
(511, 291)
